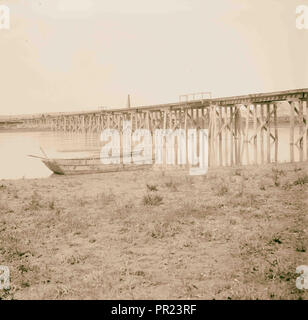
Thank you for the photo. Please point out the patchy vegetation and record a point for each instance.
(236, 233)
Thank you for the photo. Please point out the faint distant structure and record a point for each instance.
(128, 102)
(195, 96)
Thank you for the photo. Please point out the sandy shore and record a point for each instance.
(233, 234)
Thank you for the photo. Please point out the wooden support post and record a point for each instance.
(108, 121)
(262, 133)
(214, 136)
(292, 131)
(165, 140)
(276, 132)
(247, 134)
(236, 135)
(120, 128)
(301, 130)
(197, 125)
(231, 135)
(226, 135)
(255, 143)
(306, 130)
(176, 125)
(186, 136)
(268, 133)
(203, 113)
(239, 134)
(220, 136)
(209, 114)
(153, 127)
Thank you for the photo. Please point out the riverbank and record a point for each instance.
(237, 233)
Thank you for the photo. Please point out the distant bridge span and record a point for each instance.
(233, 123)
(97, 120)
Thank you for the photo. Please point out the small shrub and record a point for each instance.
(22, 268)
(222, 190)
(151, 187)
(301, 180)
(81, 202)
(276, 239)
(262, 187)
(276, 180)
(152, 200)
(297, 169)
(51, 205)
(106, 198)
(15, 193)
(301, 249)
(241, 189)
(25, 284)
(171, 185)
(278, 172)
(34, 203)
(164, 229)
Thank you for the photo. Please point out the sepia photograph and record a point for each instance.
(153, 150)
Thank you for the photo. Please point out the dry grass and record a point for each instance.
(233, 234)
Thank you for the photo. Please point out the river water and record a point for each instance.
(16, 146)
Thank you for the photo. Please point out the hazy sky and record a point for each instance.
(65, 55)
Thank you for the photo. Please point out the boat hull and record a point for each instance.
(87, 166)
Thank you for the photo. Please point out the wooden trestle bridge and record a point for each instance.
(236, 124)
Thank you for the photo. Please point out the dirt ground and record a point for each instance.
(236, 233)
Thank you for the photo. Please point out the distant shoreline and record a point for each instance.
(24, 130)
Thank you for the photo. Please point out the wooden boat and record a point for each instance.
(88, 165)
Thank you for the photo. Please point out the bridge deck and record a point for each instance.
(301, 94)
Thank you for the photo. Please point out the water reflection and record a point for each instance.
(16, 146)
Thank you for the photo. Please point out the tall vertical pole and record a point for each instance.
(128, 101)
